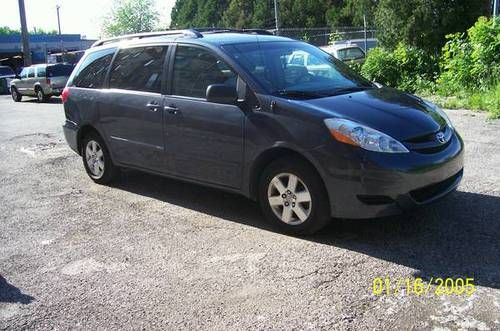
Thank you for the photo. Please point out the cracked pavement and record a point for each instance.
(156, 253)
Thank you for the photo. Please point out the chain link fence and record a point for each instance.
(326, 36)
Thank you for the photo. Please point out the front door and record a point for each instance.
(206, 139)
(132, 115)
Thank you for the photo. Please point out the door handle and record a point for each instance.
(153, 106)
(171, 109)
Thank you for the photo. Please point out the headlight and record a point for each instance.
(440, 112)
(355, 134)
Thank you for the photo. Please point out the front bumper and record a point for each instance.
(363, 184)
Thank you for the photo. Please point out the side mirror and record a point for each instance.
(17, 77)
(220, 93)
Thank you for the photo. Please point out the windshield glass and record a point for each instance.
(5, 71)
(295, 69)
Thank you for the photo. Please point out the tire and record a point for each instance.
(97, 160)
(40, 96)
(307, 207)
(16, 96)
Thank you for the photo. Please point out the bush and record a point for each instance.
(380, 66)
(408, 68)
(471, 61)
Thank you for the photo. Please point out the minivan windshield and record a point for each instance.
(296, 69)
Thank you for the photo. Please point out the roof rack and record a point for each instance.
(225, 30)
(187, 32)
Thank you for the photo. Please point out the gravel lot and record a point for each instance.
(150, 252)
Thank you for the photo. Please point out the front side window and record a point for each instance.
(92, 71)
(273, 66)
(138, 69)
(41, 72)
(195, 69)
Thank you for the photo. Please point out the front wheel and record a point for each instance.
(292, 196)
(16, 96)
(97, 160)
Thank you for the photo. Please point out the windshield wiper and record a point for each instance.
(299, 94)
(349, 90)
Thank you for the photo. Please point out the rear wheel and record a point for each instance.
(16, 96)
(293, 198)
(97, 160)
(40, 96)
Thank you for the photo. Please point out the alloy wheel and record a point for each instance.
(289, 198)
(94, 157)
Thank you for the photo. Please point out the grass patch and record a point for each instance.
(488, 100)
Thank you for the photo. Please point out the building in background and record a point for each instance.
(42, 46)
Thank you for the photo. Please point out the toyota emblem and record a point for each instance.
(440, 137)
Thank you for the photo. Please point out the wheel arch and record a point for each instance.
(269, 156)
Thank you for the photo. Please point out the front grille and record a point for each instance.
(429, 144)
(428, 192)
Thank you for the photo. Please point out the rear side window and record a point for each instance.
(40, 72)
(138, 69)
(92, 71)
(195, 69)
(31, 72)
(59, 70)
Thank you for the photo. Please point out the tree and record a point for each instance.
(425, 23)
(130, 16)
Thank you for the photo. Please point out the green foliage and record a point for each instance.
(5, 30)
(350, 12)
(130, 16)
(471, 61)
(425, 23)
(406, 67)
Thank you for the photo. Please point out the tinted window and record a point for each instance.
(40, 72)
(138, 69)
(298, 59)
(92, 71)
(31, 72)
(59, 70)
(195, 69)
(4, 71)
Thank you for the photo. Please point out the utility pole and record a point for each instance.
(364, 24)
(59, 27)
(276, 17)
(24, 34)
(495, 7)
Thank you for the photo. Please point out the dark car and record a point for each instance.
(225, 109)
(41, 81)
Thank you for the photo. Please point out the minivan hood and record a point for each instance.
(400, 115)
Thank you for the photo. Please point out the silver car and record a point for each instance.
(41, 81)
(346, 52)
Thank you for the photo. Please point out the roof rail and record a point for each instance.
(225, 30)
(187, 32)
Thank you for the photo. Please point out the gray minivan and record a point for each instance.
(41, 81)
(225, 108)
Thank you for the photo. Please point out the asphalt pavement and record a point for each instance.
(155, 253)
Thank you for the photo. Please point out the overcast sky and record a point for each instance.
(77, 16)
